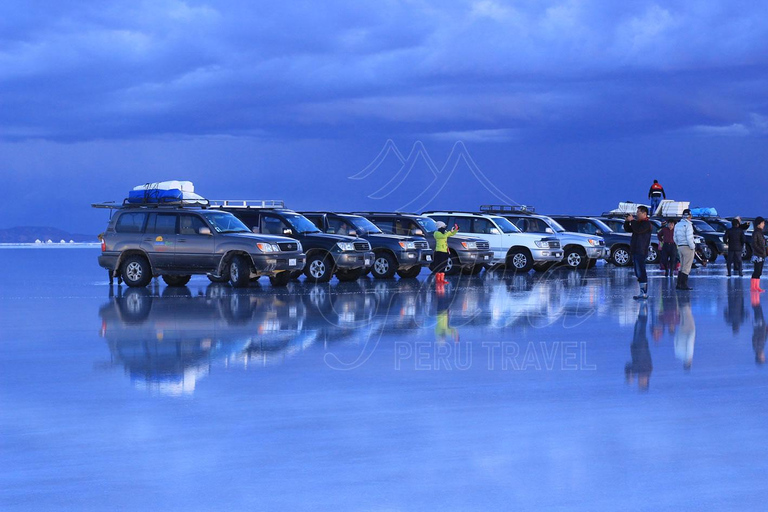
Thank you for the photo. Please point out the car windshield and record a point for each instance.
(427, 224)
(224, 222)
(703, 226)
(301, 224)
(505, 225)
(363, 225)
(602, 226)
(556, 227)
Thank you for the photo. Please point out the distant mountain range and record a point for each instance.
(29, 234)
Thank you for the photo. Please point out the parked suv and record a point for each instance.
(511, 247)
(618, 243)
(405, 255)
(579, 250)
(175, 242)
(466, 254)
(712, 237)
(347, 257)
(617, 224)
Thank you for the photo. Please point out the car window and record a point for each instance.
(162, 223)
(301, 224)
(272, 225)
(586, 227)
(386, 225)
(401, 227)
(131, 222)
(569, 224)
(224, 222)
(505, 225)
(427, 224)
(340, 226)
(519, 223)
(483, 226)
(413, 226)
(465, 224)
(190, 224)
(537, 226)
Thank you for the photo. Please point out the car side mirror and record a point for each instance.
(599, 232)
(353, 233)
(549, 230)
(205, 230)
(287, 231)
(495, 231)
(418, 232)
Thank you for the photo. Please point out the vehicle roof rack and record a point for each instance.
(507, 208)
(386, 213)
(453, 211)
(170, 203)
(247, 203)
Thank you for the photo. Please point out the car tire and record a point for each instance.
(384, 266)
(575, 257)
(347, 275)
(713, 253)
(217, 279)
(746, 252)
(410, 273)
(171, 280)
(319, 268)
(136, 271)
(519, 260)
(620, 256)
(653, 254)
(239, 272)
(280, 279)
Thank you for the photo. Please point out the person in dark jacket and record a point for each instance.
(758, 253)
(668, 247)
(655, 194)
(735, 239)
(638, 246)
(641, 365)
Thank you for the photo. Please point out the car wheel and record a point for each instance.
(349, 274)
(410, 273)
(620, 256)
(519, 260)
(280, 279)
(746, 252)
(220, 279)
(575, 257)
(319, 269)
(136, 271)
(176, 280)
(239, 272)
(452, 264)
(713, 254)
(653, 254)
(384, 266)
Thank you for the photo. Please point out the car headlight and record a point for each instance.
(298, 247)
(469, 245)
(268, 247)
(346, 246)
(408, 245)
(542, 243)
(593, 241)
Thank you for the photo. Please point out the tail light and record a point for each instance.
(103, 246)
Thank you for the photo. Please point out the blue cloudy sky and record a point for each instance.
(569, 105)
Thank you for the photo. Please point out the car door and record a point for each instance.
(487, 230)
(193, 250)
(159, 240)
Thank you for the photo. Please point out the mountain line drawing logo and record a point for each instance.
(440, 176)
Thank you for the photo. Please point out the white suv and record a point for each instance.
(510, 246)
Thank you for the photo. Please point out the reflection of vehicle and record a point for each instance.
(346, 257)
(401, 254)
(467, 254)
(512, 248)
(174, 241)
(168, 343)
(617, 242)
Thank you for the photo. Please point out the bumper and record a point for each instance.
(108, 260)
(543, 255)
(351, 260)
(471, 258)
(275, 262)
(596, 253)
(411, 258)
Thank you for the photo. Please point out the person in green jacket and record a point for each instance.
(441, 249)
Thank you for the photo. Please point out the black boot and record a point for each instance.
(682, 282)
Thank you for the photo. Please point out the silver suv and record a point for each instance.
(175, 242)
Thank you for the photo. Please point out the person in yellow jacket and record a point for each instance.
(441, 249)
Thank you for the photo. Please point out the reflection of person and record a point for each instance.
(758, 253)
(685, 336)
(668, 248)
(735, 239)
(641, 365)
(686, 246)
(638, 245)
(759, 333)
(655, 194)
(441, 249)
(735, 313)
(443, 329)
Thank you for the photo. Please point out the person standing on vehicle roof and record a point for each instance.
(686, 246)
(758, 253)
(655, 194)
(735, 239)
(638, 245)
(441, 249)
(668, 248)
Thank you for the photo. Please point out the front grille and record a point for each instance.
(421, 244)
(362, 246)
(288, 246)
(554, 245)
(484, 245)
(602, 242)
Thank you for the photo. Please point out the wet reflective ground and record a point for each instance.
(554, 392)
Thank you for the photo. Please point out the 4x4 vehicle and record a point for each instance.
(405, 255)
(712, 237)
(579, 250)
(511, 247)
(465, 254)
(617, 224)
(618, 243)
(347, 257)
(175, 241)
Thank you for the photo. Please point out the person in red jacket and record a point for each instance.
(655, 194)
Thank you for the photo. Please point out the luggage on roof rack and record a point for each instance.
(704, 212)
(165, 192)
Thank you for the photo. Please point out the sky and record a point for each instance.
(571, 106)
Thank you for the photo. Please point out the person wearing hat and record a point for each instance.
(441, 249)
(758, 253)
(686, 246)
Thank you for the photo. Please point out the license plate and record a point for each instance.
(292, 262)
(367, 262)
(429, 258)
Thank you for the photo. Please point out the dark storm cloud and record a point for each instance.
(489, 70)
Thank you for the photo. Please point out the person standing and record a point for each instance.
(758, 253)
(441, 249)
(655, 194)
(638, 245)
(735, 239)
(686, 246)
(668, 248)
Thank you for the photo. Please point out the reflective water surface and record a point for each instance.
(553, 391)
